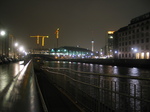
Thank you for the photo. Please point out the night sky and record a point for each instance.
(80, 21)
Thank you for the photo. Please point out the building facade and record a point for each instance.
(109, 44)
(133, 40)
(68, 52)
(107, 50)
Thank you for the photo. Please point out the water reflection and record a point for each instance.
(109, 70)
(122, 87)
(103, 69)
(115, 70)
(134, 71)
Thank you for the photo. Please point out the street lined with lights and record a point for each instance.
(21, 49)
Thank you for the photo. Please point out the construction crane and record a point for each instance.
(57, 35)
(38, 39)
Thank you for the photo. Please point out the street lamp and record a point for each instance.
(15, 54)
(2, 33)
(135, 50)
(16, 44)
(21, 48)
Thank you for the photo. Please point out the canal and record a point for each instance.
(98, 68)
(127, 94)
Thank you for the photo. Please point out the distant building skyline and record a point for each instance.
(79, 21)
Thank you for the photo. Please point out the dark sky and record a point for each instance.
(79, 21)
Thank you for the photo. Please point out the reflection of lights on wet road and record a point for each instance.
(8, 72)
(18, 67)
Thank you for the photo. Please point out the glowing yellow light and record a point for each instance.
(57, 33)
(38, 36)
(110, 32)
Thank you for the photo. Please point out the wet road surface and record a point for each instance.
(18, 92)
(8, 72)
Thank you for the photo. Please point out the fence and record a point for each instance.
(99, 93)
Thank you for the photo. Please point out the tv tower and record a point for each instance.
(92, 42)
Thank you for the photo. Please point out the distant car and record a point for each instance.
(4, 59)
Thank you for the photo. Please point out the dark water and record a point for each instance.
(103, 69)
(132, 87)
(106, 69)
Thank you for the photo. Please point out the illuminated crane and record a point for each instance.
(38, 39)
(57, 35)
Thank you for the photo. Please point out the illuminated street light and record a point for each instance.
(116, 52)
(15, 54)
(16, 44)
(21, 48)
(2, 33)
(135, 50)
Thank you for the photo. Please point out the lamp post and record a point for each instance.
(16, 45)
(2, 34)
(134, 52)
(20, 50)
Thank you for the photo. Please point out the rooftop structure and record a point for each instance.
(71, 52)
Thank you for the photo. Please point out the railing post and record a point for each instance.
(98, 93)
(111, 95)
(134, 98)
(115, 96)
(141, 96)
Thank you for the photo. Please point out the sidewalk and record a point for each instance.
(54, 99)
(21, 94)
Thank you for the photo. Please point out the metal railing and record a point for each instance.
(103, 93)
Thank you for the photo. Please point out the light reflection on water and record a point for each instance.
(126, 86)
(106, 69)
(103, 69)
